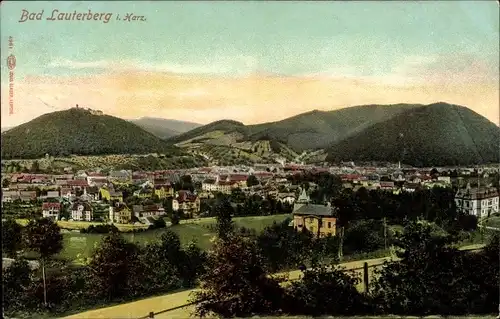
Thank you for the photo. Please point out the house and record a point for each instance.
(27, 196)
(288, 198)
(318, 219)
(10, 196)
(68, 193)
(148, 210)
(110, 194)
(81, 211)
(164, 191)
(123, 176)
(389, 186)
(51, 210)
(481, 202)
(239, 179)
(97, 181)
(186, 201)
(222, 186)
(120, 213)
(411, 187)
(144, 193)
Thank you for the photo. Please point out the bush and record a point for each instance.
(100, 229)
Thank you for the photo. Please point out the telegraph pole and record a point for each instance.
(385, 234)
(341, 243)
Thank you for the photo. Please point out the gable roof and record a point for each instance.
(313, 210)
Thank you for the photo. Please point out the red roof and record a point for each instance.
(350, 177)
(386, 184)
(238, 177)
(47, 206)
(226, 183)
(186, 196)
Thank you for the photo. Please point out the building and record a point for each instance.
(51, 210)
(164, 191)
(288, 198)
(222, 186)
(481, 202)
(148, 210)
(186, 201)
(27, 196)
(109, 194)
(120, 213)
(81, 211)
(318, 219)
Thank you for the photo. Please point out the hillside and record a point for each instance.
(291, 139)
(79, 132)
(307, 131)
(164, 128)
(319, 129)
(432, 135)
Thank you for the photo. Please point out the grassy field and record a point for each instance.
(77, 244)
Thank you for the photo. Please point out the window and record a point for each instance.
(329, 225)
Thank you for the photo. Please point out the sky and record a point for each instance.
(249, 61)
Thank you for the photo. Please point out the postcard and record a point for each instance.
(176, 159)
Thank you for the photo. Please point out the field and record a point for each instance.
(78, 245)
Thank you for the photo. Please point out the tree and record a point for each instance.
(158, 274)
(35, 167)
(282, 247)
(364, 236)
(225, 225)
(194, 264)
(11, 238)
(252, 181)
(5, 183)
(427, 278)
(236, 284)
(326, 291)
(113, 267)
(44, 237)
(15, 281)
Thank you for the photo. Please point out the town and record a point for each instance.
(139, 197)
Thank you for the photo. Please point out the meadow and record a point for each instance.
(78, 245)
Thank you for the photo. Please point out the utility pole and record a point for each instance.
(341, 243)
(385, 234)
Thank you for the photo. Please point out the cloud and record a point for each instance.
(447, 69)
(237, 65)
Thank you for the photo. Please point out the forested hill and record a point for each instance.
(438, 134)
(80, 132)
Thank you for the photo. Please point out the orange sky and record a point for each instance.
(251, 99)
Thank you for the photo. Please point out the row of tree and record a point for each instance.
(431, 277)
(117, 270)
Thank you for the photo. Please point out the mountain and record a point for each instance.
(80, 132)
(430, 135)
(5, 129)
(433, 135)
(164, 128)
(286, 139)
